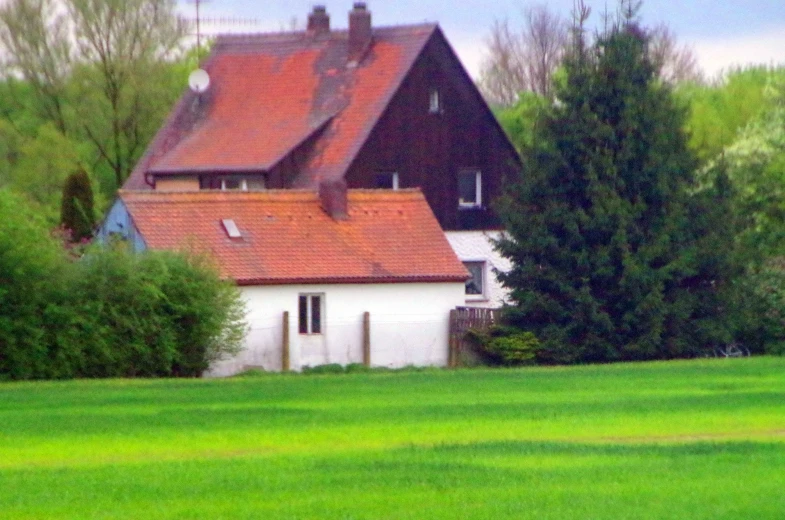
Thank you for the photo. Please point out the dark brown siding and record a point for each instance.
(428, 150)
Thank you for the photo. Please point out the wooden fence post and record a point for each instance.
(367, 339)
(285, 343)
(452, 342)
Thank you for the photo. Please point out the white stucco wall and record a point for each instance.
(409, 326)
(476, 246)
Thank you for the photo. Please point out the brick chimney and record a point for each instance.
(319, 20)
(333, 198)
(359, 31)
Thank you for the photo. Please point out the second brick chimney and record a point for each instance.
(359, 31)
(319, 20)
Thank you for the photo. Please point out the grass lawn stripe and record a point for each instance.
(698, 439)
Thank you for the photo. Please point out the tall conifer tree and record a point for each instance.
(77, 213)
(605, 250)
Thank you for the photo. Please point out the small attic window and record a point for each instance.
(434, 102)
(386, 181)
(231, 228)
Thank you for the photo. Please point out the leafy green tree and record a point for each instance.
(100, 71)
(77, 214)
(607, 261)
(756, 165)
(719, 111)
(519, 120)
(42, 167)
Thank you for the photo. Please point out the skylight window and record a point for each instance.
(231, 228)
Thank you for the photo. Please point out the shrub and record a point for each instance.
(759, 309)
(159, 313)
(331, 368)
(112, 313)
(31, 269)
(506, 345)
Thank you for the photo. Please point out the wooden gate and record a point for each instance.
(461, 320)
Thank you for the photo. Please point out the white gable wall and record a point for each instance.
(476, 246)
(409, 325)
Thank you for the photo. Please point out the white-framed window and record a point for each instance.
(234, 183)
(469, 188)
(475, 285)
(238, 183)
(434, 102)
(311, 313)
(386, 181)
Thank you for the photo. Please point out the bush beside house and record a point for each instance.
(111, 314)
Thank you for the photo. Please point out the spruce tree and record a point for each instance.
(77, 214)
(606, 255)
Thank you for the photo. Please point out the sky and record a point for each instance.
(722, 33)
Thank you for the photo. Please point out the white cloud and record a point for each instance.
(716, 55)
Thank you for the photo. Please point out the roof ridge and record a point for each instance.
(299, 34)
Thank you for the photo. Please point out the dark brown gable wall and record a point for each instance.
(428, 150)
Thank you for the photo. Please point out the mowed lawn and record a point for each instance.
(690, 439)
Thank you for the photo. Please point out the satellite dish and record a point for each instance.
(199, 80)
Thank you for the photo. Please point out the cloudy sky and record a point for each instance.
(723, 33)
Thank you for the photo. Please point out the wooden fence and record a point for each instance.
(461, 320)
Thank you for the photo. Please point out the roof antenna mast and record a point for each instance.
(197, 21)
(198, 80)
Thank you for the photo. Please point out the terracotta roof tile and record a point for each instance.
(390, 236)
(269, 93)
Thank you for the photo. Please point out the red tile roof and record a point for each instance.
(269, 93)
(389, 237)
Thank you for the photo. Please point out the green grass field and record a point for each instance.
(694, 440)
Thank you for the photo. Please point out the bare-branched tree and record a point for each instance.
(38, 49)
(95, 67)
(523, 60)
(676, 63)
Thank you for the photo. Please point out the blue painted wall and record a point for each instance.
(118, 224)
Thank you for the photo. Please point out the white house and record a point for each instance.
(366, 275)
(375, 106)
(475, 249)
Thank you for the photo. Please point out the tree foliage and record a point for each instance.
(77, 212)
(111, 314)
(98, 70)
(606, 233)
(719, 111)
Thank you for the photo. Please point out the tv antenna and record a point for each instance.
(199, 80)
(197, 21)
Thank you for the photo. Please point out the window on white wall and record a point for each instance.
(311, 310)
(475, 285)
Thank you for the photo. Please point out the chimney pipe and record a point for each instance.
(319, 20)
(359, 31)
(332, 195)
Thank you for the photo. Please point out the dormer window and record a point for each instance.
(241, 183)
(231, 183)
(469, 189)
(435, 102)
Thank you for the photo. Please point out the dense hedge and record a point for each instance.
(111, 313)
